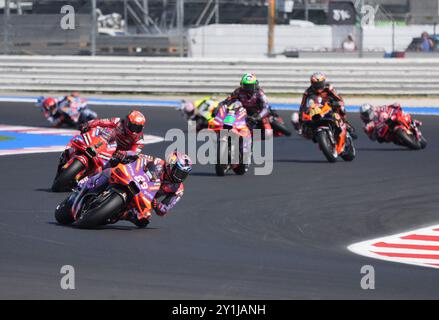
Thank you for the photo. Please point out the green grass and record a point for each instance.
(4, 138)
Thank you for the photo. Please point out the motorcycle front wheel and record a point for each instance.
(326, 146)
(63, 213)
(350, 152)
(423, 142)
(407, 140)
(65, 180)
(100, 210)
(222, 152)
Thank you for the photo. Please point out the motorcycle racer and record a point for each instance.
(375, 119)
(126, 132)
(56, 110)
(49, 108)
(253, 99)
(326, 93)
(172, 173)
(199, 111)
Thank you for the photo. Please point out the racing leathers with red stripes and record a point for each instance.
(377, 126)
(128, 143)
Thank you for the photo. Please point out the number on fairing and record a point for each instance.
(141, 181)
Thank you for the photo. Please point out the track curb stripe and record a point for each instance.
(417, 247)
(147, 139)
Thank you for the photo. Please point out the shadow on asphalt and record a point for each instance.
(49, 190)
(383, 149)
(107, 227)
(203, 174)
(299, 161)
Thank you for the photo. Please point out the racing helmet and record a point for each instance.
(49, 103)
(318, 81)
(366, 112)
(178, 167)
(249, 83)
(134, 122)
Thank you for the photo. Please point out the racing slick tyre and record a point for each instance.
(280, 127)
(407, 140)
(222, 151)
(350, 152)
(423, 142)
(100, 210)
(241, 169)
(326, 146)
(63, 213)
(65, 180)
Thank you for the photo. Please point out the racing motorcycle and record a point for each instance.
(278, 124)
(129, 187)
(199, 112)
(403, 130)
(91, 153)
(72, 112)
(329, 131)
(274, 119)
(230, 124)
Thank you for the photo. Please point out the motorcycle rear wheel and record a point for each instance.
(65, 180)
(103, 209)
(325, 145)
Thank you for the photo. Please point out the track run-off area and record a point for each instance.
(280, 236)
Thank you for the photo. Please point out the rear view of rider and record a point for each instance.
(375, 119)
(325, 93)
(253, 99)
(171, 173)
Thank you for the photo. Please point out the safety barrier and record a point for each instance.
(186, 75)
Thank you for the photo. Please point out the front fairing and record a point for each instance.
(97, 140)
(233, 120)
(142, 184)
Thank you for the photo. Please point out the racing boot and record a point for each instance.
(295, 121)
(131, 216)
(351, 131)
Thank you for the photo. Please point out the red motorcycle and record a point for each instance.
(401, 129)
(277, 124)
(91, 153)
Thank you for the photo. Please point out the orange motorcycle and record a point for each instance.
(329, 130)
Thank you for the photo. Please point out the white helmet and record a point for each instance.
(366, 112)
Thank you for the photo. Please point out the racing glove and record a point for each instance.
(83, 127)
(119, 155)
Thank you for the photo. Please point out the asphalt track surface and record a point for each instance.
(281, 236)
